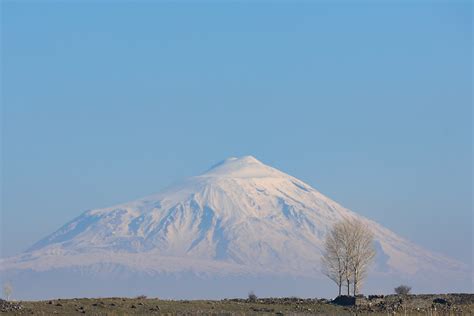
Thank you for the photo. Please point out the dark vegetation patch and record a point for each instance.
(344, 300)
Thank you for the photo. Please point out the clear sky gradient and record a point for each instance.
(370, 104)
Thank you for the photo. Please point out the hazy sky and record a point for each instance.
(370, 104)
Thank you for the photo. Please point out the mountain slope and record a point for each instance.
(239, 218)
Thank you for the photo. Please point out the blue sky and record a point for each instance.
(107, 102)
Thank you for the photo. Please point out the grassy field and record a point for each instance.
(451, 304)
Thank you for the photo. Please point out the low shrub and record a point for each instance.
(252, 297)
(402, 290)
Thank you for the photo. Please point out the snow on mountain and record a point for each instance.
(240, 218)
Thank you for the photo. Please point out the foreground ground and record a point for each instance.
(445, 304)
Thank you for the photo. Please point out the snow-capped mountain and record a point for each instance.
(240, 219)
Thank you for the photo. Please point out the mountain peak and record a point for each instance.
(242, 167)
(242, 160)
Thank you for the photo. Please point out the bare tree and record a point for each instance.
(336, 255)
(362, 252)
(333, 259)
(7, 290)
(344, 229)
(348, 252)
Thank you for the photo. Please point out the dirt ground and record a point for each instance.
(444, 304)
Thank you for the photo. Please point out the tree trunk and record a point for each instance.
(340, 285)
(355, 283)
